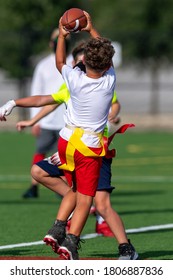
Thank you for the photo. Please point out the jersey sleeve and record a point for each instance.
(114, 98)
(62, 95)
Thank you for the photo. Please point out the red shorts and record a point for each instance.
(87, 169)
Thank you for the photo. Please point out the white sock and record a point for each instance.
(69, 218)
(99, 219)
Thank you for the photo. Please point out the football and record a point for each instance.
(73, 20)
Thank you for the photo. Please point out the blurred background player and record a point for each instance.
(46, 79)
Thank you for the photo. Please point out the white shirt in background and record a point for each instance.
(47, 80)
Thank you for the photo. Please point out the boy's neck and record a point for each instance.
(93, 74)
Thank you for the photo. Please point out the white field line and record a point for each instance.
(92, 235)
(143, 179)
(11, 178)
(150, 228)
(23, 178)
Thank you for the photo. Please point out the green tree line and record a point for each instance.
(144, 29)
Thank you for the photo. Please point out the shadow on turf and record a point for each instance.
(142, 256)
(119, 193)
(133, 193)
(23, 252)
(160, 255)
(129, 212)
(31, 201)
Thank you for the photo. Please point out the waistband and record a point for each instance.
(99, 134)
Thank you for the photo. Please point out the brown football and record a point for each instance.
(73, 20)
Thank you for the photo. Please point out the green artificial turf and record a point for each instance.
(141, 173)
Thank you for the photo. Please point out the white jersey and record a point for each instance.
(47, 80)
(89, 104)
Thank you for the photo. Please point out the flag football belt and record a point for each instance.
(75, 143)
(108, 140)
(99, 134)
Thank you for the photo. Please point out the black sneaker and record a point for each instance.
(69, 247)
(127, 252)
(56, 235)
(32, 192)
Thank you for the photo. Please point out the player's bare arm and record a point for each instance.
(31, 101)
(41, 114)
(89, 27)
(113, 115)
(35, 101)
(61, 49)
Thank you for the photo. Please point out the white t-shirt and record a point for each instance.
(89, 104)
(47, 80)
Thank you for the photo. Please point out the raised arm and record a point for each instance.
(61, 48)
(90, 28)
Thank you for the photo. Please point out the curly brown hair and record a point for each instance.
(98, 53)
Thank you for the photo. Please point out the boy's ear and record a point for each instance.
(83, 60)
